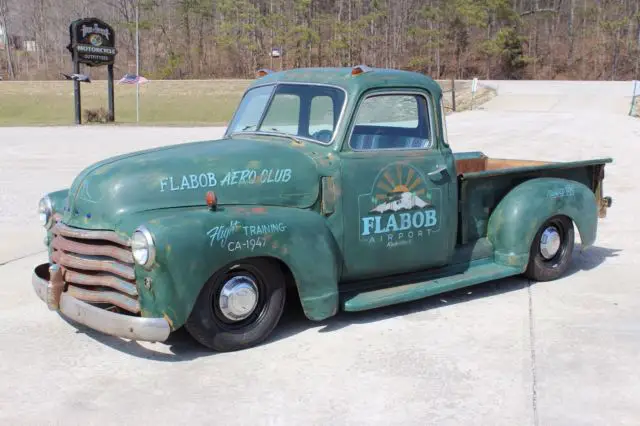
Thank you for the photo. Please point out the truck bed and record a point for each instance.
(484, 181)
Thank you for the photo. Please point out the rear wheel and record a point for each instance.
(551, 249)
(239, 306)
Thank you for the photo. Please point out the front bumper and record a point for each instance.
(47, 283)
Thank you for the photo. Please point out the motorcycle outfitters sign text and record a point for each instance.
(92, 42)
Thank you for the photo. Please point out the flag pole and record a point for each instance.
(137, 63)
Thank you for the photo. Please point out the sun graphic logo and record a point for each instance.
(400, 187)
(95, 39)
(400, 205)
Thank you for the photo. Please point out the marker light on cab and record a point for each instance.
(143, 247)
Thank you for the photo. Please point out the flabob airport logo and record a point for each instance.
(399, 208)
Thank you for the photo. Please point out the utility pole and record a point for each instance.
(271, 45)
(137, 62)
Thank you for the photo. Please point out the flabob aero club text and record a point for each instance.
(238, 177)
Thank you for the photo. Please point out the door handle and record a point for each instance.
(438, 173)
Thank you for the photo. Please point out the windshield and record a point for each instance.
(305, 110)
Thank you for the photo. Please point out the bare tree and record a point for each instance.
(231, 38)
(4, 11)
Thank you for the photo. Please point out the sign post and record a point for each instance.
(93, 43)
(76, 90)
(474, 89)
(276, 52)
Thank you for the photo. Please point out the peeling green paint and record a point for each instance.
(303, 204)
(524, 209)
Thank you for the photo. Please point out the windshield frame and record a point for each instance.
(268, 105)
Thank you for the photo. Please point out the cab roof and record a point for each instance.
(372, 78)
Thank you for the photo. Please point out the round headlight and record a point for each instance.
(45, 211)
(143, 247)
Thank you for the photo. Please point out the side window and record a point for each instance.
(321, 118)
(283, 115)
(392, 122)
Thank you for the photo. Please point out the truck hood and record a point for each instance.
(274, 171)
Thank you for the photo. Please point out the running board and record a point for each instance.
(364, 300)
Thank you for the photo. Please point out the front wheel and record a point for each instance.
(551, 249)
(239, 306)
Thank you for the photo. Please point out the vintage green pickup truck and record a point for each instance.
(337, 185)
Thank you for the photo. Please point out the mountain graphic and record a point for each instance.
(406, 201)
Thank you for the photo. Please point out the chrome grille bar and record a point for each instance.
(89, 264)
(116, 252)
(89, 234)
(101, 280)
(117, 299)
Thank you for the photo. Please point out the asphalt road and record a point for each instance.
(501, 353)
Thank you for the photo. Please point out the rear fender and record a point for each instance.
(192, 245)
(519, 215)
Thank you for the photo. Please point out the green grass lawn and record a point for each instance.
(161, 102)
(166, 102)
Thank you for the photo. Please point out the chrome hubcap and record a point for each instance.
(238, 298)
(550, 242)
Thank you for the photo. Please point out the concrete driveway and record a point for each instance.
(501, 353)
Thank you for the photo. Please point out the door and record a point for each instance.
(398, 210)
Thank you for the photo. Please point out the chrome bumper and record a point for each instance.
(48, 288)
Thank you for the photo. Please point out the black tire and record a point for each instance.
(209, 326)
(541, 268)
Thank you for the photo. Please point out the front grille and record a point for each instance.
(99, 266)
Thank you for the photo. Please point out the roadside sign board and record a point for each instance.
(92, 42)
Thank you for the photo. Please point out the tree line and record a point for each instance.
(489, 39)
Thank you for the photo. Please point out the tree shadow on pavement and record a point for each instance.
(182, 347)
(585, 261)
(438, 301)
(590, 258)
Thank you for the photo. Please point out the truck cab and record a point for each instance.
(337, 183)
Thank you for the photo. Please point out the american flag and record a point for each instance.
(132, 79)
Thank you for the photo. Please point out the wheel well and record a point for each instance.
(293, 297)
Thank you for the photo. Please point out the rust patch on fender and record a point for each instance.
(259, 210)
(166, 317)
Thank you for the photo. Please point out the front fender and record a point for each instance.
(517, 218)
(193, 244)
(58, 205)
(59, 199)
